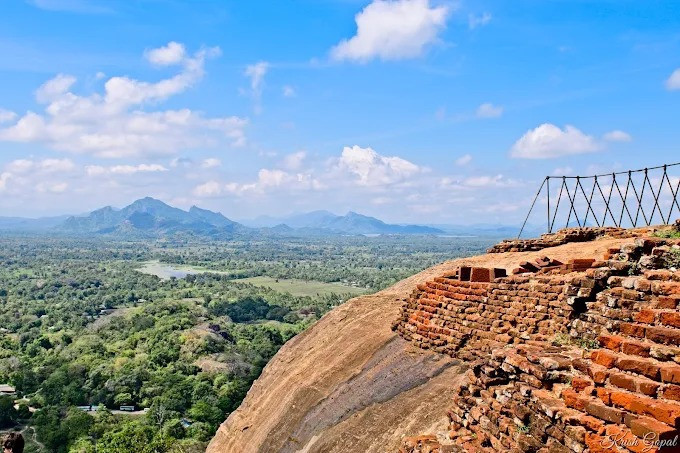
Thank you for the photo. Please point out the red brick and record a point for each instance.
(668, 413)
(670, 373)
(604, 394)
(634, 384)
(663, 335)
(642, 426)
(573, 399)
(623, 399)
(634, 330)
(624, 438)
(612, 342)
(480, 274)
(604, 358)
(579, 383)
(670, 319)
(645, 367)
(668, 302)
(645, 316)
(603, 412)
(635, 348)
(600, 444)
(591, 423)
(672, 392)
(598, 373)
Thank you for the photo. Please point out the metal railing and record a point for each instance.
(621, 199)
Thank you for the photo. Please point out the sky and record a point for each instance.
(409, 110)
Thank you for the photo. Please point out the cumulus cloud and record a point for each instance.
(549, 141)
(21, 166)
(294, 161)
(208, 189)
(171, 54)
(115, 124)
(475, 21)
(488, 110)
(96, 170)
(478, 182)
(54, 88)
(211, 162)
(372, 169)
(355, 168)
(673, 82)
(7, 115)
(4, 178)
(617, 136)
(393, 30)
(464, 160)
(267, 180)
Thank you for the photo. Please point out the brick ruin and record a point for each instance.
(575, 357)
(567, 235)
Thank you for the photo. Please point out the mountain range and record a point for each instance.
(152, 217)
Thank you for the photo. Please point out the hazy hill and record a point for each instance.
(325, 222)
(151, 217)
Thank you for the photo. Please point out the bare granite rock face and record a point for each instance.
(549, 359)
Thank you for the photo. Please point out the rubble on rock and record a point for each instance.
(565, 236)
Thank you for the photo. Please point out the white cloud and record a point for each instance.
(673, 82)
(489, 181)
(617, 136)
(181, 162)
(256, 73)
(172, 53)
(372, 169)
(549, 141)
(7, 115)
(464, 160)
(488, 110)
(22, 166)
(355, 169)
(54, 88)
(288, 91)
(393, 30)
(294, 161)
(4, 177)
(56, 165)
(114, 124)
(477, 21)
(211, 162)
(97, 170)
(208, 189)
(132, 169)
(44, 187)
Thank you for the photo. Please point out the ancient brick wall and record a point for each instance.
(566, 361)
(469, 319)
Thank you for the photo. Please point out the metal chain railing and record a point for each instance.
(621, 199)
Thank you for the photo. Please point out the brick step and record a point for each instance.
(641, 415)
(659, 335)
(666, 372)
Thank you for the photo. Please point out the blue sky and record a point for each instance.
(409, 110)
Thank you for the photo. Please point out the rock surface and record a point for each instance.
(351, 384)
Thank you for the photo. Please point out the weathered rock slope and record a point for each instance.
(351, 384)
